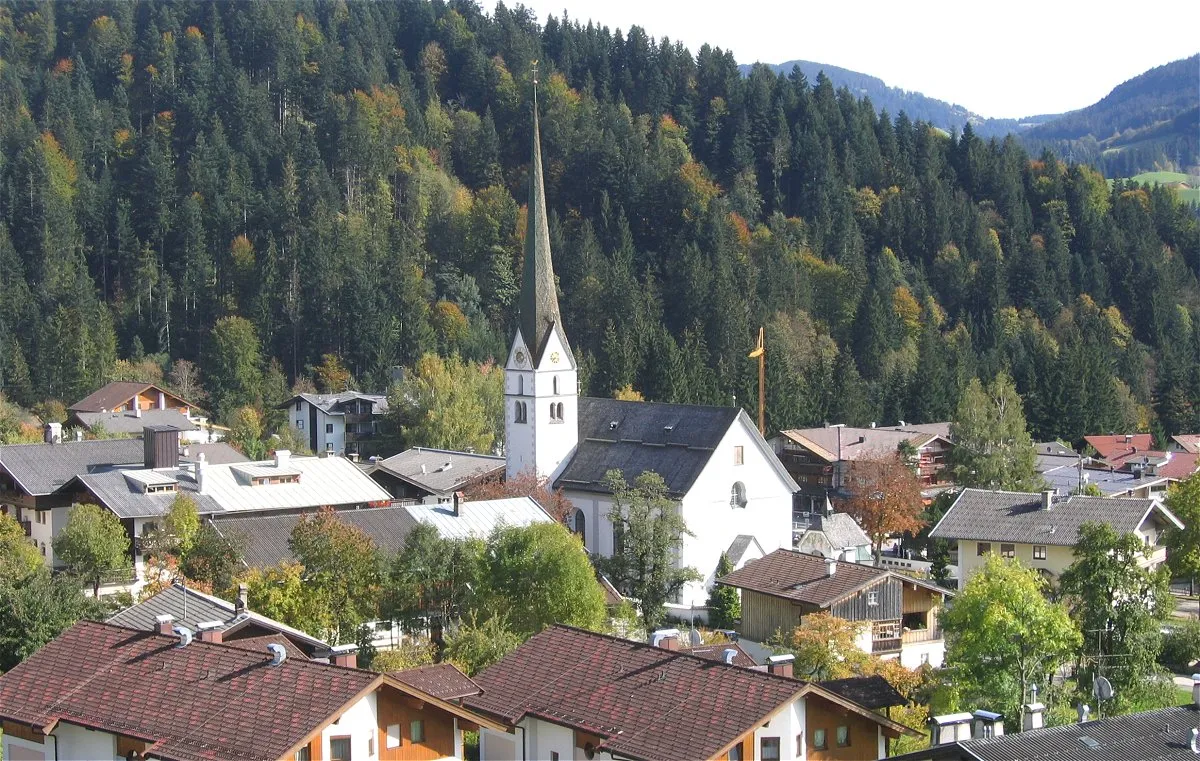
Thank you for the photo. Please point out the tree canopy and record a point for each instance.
(93, 545)
(992, 448)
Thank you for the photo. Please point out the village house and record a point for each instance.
(898, 614)
(100, 691)
(142, 496)
(833, 535)
(571, 694)
(1041, 530)
(1185, 442)
(1066, 472)
(429, 475)
(714, 461)
(820, 459)
(341, 424)
(125, 407)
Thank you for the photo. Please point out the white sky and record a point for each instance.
(1003, 59)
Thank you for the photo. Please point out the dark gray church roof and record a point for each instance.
(673, 440)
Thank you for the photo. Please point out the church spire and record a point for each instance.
(539, 299)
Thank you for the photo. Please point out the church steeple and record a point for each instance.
(539, 298)
(541, 381)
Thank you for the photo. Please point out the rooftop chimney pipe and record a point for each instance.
(667, 639)
(1196, 691)
(458, 498)
(278, 654)
(345, 656)
(1048, 499)
(240, 605)
(165, 624)
(781, 665)
(210, 631)
(52, 433)
(728, 655)
(830, 566)
(1084, 713)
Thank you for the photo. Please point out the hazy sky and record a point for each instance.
(1004, 59)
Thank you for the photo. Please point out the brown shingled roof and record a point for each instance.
(803, 578)
(716, 652)
(644, 702)
(200, 702)
(441, 680)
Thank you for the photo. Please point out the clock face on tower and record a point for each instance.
(554, 357)
(519, 357)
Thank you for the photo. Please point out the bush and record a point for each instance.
(1181, 647)
(409, 655)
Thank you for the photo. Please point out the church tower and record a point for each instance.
(541, 398)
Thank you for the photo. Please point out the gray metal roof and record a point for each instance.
(44, 468)
(323, 481)
(331, 404)
(478, 519)
(1065, 479)
(427, 468)
(191, 608)
(216, 453)
(128, 422)
(1149, 736)
(1000, 516)
(842, 531)
(739, 545)
(266, 537)
(673, 440)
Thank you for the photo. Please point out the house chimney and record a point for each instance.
(424, 470)
(210, 631)
(52, 433)
(160, 446)
(781, 665)
(345, 655)
(282, 458)
(728, 654)
(1033, 716)
(1048, 499)
(240, 605)
(137, 408)
(830, 566)
(165, 624)
(986, 724)
(162, 400)
(201, 467)
(949, 728)
(79, 434)
(667, 639)
(458, 499)
(1084, 713)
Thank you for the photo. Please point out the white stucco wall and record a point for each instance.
(785, 724)
(910, 654)
(79, 744)
(359, 722)
(14, 749)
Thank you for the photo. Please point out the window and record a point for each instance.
(819, 740)
(739, 455)
(737, 495)
(735, 753)
(554, 383)
(872, 598)
(1008, 551)
(520, 413)
(924, 658)
(329, 428)
(843, 736)
(580, 525)
(553, 411)
(41, 517)
(328, 446)
(416, 731)
(1039, 552)
(983, 548)
(304, 754)
(769, 749)
(299, 424)
(553, 755)
(339, 749)
(299, 405)
(393, 736)
(520, 385)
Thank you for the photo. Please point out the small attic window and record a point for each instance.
(161, 488)
(737, 495)
(287, 478)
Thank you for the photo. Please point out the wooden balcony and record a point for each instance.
(913, 636)
(882, 646)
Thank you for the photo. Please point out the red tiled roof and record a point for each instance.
(716, 652)
(259, 645)
(803, 578)
(1181, 465)
(644, 702)
(1115, 444)
(203, 702)
(440, 680)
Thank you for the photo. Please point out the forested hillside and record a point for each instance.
(950, 117)
(1151, 122)
(347, 178)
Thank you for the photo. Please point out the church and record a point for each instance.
(733, 492)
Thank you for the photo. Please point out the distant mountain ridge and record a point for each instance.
(939, 113)
(1148, 123)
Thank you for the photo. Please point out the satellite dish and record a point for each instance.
(694, 637)
(1102, 689)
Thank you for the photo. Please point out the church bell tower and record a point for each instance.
(541, 398)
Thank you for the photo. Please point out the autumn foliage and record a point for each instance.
(886, 497)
